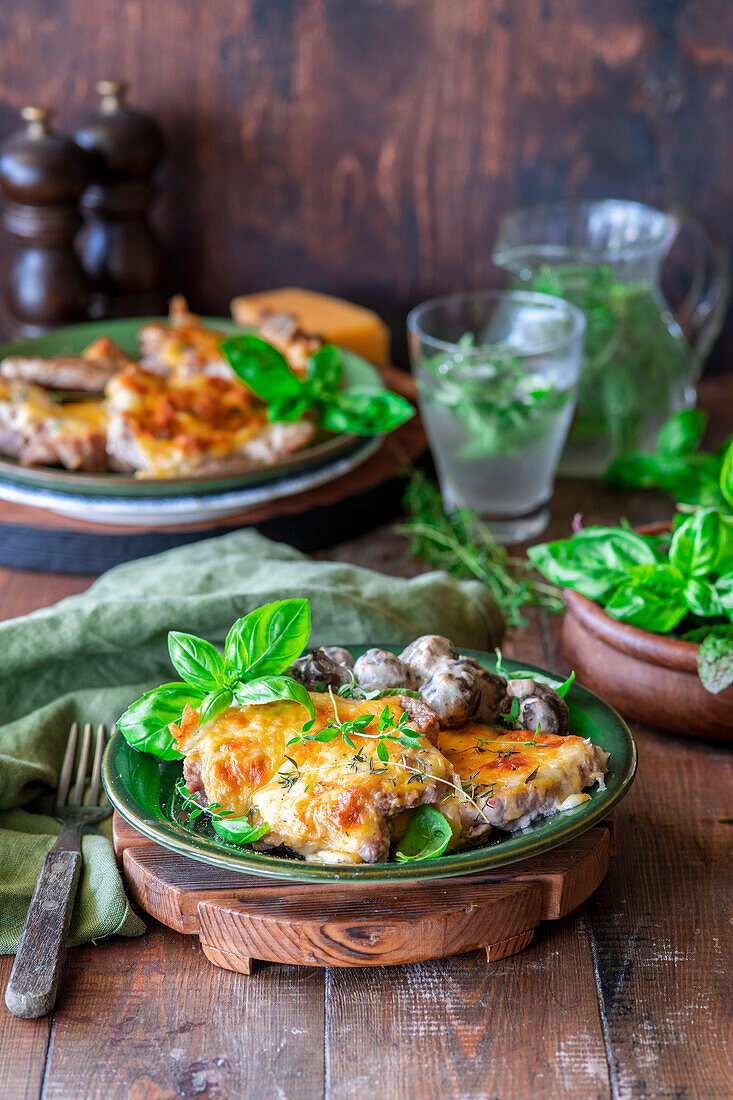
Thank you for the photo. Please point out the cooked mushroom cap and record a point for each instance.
(338, 654)
(377, 670)
(318, 671)
(539, 705)
(493, 691)
(452, 693)
(424, 655)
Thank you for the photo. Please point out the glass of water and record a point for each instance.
(497, 378)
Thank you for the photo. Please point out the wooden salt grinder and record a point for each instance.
(120, 254)
(42, 176)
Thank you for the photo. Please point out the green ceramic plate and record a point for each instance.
(75, 338)
(139, 786)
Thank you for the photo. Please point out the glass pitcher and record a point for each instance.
(640, 362)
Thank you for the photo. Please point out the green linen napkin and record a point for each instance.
(87, 657)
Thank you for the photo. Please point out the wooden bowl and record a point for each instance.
(650, 677)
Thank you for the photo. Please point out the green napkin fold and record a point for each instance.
(87, 657)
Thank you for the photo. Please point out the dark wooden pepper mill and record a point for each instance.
(120, 254)
(42, 176)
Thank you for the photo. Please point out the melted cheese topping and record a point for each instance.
(173, 419)
(175, 346)
(516, 776)
(334, 803)
(29, 407)
(326, 800)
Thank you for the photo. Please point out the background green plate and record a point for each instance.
(139, 786)
(75, 338)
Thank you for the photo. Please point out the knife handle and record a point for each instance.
(34, 978)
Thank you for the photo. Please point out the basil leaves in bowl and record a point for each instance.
(649, 621)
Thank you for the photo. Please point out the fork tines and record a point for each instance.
(67, 767)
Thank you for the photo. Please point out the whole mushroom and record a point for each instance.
(452, 692)
(317, 671)
(539, 707)
(378, 670)
(338, 654)
(425, 654)
(492, 689)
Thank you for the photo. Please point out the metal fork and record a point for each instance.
(35, 975)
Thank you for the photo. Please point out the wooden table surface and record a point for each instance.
(628, 997)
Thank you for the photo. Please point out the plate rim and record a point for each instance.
(88, 484)
(457, 864)
(127, 511)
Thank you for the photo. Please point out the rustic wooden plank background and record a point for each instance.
(368, 148)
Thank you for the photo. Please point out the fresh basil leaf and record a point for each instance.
(269, 639)
(365, 411)
(287, 409)
(701, 598)
(593, 562)
(652, 599)
(715, 663)
(682, 433)
(262, 368)
(726, 474)
(561, 563)
(197, 660)
(237, 830)
(271, 689)
(426, 837)
(695, 546)
(144, 725)
(214, 703)
(325, 371)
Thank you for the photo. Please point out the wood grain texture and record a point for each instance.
(369, 148)
(23, 1047)
(158, 1022)
(660, 927)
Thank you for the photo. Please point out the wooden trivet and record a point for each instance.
(240, 918)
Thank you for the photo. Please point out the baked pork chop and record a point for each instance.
(329, 801)
(175, 426)
(39, 431)
(89, 372)
(517, 776)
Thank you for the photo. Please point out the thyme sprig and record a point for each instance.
(391, 728)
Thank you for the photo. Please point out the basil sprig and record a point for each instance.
(258, 649)
(689, 476)
(682, 583)
(426, 837)
(357, 409)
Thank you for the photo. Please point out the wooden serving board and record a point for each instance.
(240, 918)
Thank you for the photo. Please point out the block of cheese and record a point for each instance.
(336, 321)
